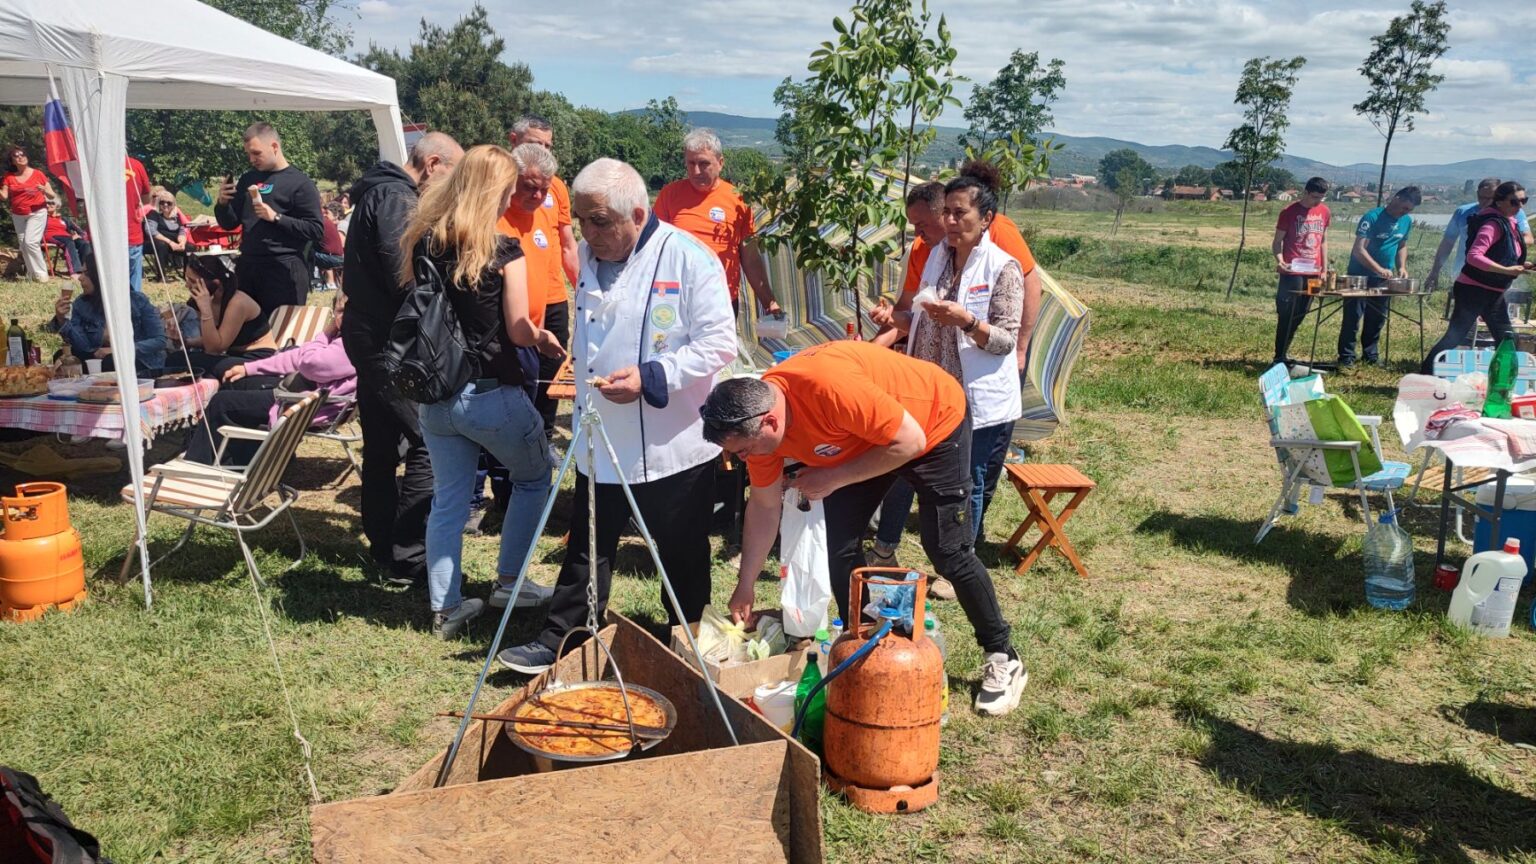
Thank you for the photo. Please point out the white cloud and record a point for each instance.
(1157, 72)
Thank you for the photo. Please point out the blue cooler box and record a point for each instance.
(1518, 520)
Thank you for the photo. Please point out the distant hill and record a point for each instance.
(1081, 155)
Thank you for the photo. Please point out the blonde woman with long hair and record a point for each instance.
(454, 228)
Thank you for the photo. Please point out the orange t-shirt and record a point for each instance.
(719, 218)
(847, 397)
(541, 249)
(559, 200)
(1003, 232)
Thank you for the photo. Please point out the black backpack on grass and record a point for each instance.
(426, 356)
(34, 829)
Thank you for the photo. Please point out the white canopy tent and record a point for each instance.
(107, 57)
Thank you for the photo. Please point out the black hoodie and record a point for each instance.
(383, 200)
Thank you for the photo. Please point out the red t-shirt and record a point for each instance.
(846, 398)
(26, 195)
(137, 184)
(1304, 230)
(719, 218)
(55, 227)
(330, 242)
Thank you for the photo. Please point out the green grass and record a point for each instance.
(1197, 698)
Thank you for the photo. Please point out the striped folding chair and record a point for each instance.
(294, 325)
(240, 500)
(343, 428)
(1053, 349)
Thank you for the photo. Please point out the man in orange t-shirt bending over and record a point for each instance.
(709, 208)
(856, 416)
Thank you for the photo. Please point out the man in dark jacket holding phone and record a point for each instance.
(277, 208)
(394, 511)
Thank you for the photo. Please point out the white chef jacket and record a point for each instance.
(669, 305)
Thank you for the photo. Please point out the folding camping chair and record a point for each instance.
(1292, 455)
(1431, 474)
(1053, 348)
(343, 428)
(234, 499)
(294, 325)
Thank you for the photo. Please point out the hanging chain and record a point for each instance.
(590, 420)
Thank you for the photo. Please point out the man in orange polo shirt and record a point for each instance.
(533, 129)
(709, 208)
(855, 416)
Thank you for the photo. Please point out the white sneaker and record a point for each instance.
(1002, 683)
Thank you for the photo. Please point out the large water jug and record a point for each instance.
(1388, 565)
(1484, 601)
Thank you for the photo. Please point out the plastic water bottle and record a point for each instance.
(1388, 565)
(823, 649)
(931, 630)
(1484, 600)
(1501, 379)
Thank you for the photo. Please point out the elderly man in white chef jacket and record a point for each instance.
(653, 328)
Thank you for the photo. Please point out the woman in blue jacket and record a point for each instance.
(83, 325)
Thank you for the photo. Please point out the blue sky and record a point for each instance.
(1155, 72)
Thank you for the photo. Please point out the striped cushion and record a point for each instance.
(295, 325)
(209, 491)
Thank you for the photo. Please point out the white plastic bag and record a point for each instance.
(807, 587)
(720, 639)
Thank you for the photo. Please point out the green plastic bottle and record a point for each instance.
(816, 715)
(1501, 380)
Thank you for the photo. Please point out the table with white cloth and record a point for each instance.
(1504, 447)
(169, 409)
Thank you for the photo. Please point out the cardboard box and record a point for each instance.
(741, 679)
(692, 797)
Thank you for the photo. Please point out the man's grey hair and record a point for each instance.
(536, 158)
(439, 144)
(617, 183)
(530, 121)
(1488, 184)
(703, 139)
(735, 409)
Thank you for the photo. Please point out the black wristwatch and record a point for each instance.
(975, 322)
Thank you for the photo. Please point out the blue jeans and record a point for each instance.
(984, 450)
(1374, 311)
(502, 420)
(135, 267)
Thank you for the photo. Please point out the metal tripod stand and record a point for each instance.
(589, 428)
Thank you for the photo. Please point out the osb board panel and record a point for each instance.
(650, 810)
(487, 755)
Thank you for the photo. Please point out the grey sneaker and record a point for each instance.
(940, 588)
(1002, 683)
(530, 659)
(450, 623)
(880, 556)
(532, 595)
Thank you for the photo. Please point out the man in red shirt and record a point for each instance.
(708, 207)
(136, 180)
(1300, 248)
(855, 416)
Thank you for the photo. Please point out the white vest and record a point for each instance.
(668, 304)
(991, 380)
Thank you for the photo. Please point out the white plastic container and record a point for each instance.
(776, 702)
(1484, 601)
(772, 327)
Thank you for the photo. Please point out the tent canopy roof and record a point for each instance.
(176, 54)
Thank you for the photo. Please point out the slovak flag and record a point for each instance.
(59, 151)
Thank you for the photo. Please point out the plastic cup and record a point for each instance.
(93, 366)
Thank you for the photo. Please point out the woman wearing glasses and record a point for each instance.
(1496, 256)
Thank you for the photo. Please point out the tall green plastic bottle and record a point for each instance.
(1501, 380)
(816, 715)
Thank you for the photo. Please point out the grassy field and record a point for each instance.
(1198, 698)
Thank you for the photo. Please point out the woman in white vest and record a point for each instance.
(965, 318)
(652, 330)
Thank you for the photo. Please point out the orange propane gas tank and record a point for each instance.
(40, 560)
(881, 738)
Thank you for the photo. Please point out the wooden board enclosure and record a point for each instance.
(690, 796)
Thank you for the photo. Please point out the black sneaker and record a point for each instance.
(530, 659)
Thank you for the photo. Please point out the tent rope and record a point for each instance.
(282, 681)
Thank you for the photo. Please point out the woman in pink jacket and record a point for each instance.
(322, 361)
(1496, 257)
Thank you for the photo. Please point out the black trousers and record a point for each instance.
(282, 280)
(942, 480)
(557, 320)
(676, 510)
(249, 407)
(1472, 303)
(395, 508)
(1290, 310)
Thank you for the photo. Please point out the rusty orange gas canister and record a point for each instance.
(41, 564)
(881, 739)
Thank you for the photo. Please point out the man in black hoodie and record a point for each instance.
(394, 511)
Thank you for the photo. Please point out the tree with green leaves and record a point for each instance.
(1193, 175)
(844, 126)
(744, 163)
(1398, 73)
(1264, 92)
(1127, 175)
(1007, 115)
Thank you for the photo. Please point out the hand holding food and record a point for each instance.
(623, 386)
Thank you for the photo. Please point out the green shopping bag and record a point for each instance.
(1328, 418)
